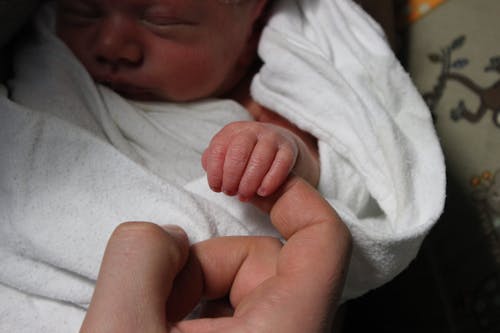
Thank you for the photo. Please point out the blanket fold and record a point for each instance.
(382, 167)
(78, 159)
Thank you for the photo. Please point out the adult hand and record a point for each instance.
(272, 287)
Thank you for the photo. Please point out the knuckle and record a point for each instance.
(259, 163)
(239, 152)
(234, 163)
(137, 231)
(269, 134)
(235, 127)
(139, 239)
(286, 158)
(289, 151)
(216, 151)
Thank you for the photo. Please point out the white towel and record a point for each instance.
(329, 69)
(77, 159)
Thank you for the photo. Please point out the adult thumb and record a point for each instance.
(139, 266)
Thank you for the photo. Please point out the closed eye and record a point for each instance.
(167, 27)
(161, 20)
(165, 18)
(78, 11)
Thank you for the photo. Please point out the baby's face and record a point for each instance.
(175, 50)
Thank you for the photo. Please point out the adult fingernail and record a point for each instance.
(174, 330)
(175, 231)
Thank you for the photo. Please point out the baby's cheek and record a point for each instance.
(192, 74)
(75, 42)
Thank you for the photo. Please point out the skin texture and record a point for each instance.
(271, 287)
(184, 50)
(249, 158)
(162, 49)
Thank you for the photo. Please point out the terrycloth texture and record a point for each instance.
(329, 69)
(77, 159)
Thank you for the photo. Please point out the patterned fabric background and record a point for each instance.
(415, 9)
(454, 58)
(452, 52)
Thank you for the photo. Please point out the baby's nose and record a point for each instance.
(118, 44)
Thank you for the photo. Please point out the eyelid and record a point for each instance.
(79, 9)
(159, 20)
(164, 16)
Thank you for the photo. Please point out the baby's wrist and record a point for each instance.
(307, 165)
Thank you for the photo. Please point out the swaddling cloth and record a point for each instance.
(77, 159)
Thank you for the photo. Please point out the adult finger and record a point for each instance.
(315, 257)
(302, 283)
(139, 265)
(232, 267)
(303, 294)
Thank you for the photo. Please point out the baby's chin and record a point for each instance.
(135, 93)
(144, 95)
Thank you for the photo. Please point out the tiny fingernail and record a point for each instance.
(175, 231)
(215, 189)
(243, 198)
(227, 192)
(262, 191)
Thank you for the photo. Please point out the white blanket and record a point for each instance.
(77, 159)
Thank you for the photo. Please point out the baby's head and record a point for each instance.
(175, 50)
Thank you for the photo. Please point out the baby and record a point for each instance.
(78, 158)
(187, 50)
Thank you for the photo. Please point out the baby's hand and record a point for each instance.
(247, 158)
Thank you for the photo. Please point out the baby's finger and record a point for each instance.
(213, 163)
(258, 166)
(279, 171)
(237, 156)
